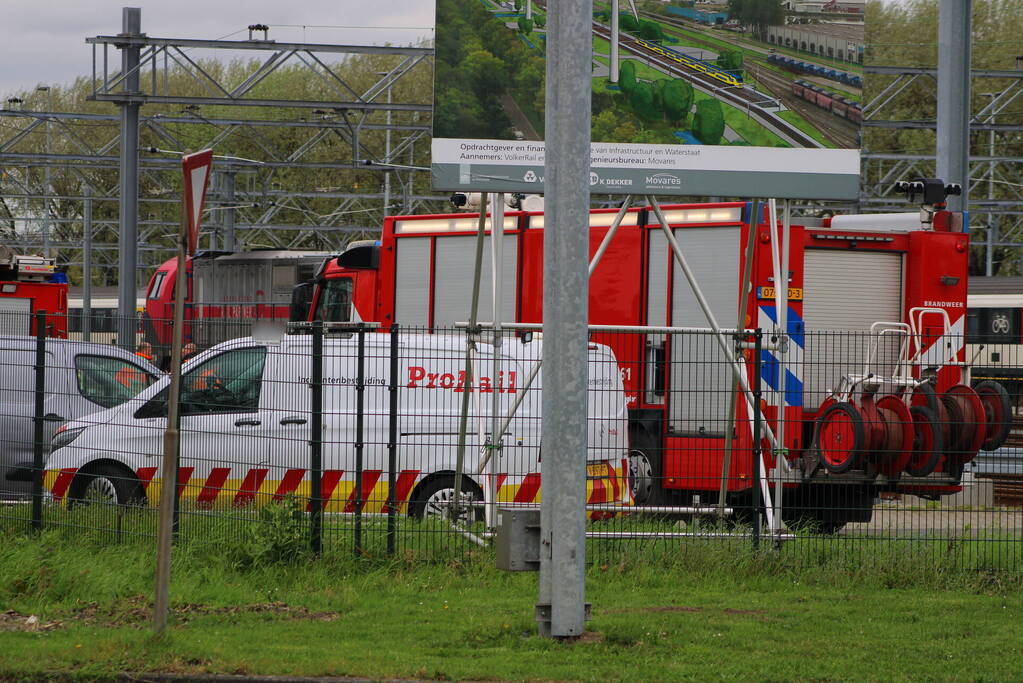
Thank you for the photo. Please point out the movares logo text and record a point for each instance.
(663, 179)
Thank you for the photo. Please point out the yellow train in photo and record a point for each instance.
(714, 72)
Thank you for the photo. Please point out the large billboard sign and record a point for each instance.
(691, 102)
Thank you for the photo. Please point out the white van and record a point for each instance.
(80, 378)
(245, 428)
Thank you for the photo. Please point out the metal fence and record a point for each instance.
(380, 443)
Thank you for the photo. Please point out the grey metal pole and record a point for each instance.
(39, 422)
(730, 424)
(454, 510)
(47, 174)
(316, 502)
(496, 295)
(87, 266)
(131, 25)
(230, 244)
(561, 610)
(171, 441)
(953, 162)
(613, 76)
(387, 156)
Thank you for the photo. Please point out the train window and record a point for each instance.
(154, 288)
(993, 325)
(973, 323)
(284, 276)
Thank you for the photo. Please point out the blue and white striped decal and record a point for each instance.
(766, 320)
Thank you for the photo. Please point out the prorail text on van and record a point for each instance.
(456, 383)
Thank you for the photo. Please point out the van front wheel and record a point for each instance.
(433, 499)
(106, 484)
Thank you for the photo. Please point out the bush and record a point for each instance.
(278, 536)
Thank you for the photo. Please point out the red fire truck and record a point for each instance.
(226, 292)
(906, 423)
(24, 290)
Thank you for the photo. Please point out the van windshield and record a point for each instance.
(230, 382)
(335, 305)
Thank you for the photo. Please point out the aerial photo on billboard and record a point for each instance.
(742, 98)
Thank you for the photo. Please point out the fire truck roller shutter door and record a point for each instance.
(700, 375)
(847, 291)
(412, 277)
(15, 315)
(454, 270)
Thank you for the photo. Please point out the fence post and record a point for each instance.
(392, 442)
(39, 422)
(316, 442)
(360, 409)
(757, 346)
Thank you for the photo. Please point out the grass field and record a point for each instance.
(699, 611)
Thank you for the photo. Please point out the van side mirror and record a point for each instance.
(301, 300)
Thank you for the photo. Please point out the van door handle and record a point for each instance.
(246, 422)
(53, 417)
(293, 420)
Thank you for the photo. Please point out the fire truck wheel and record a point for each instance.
(927, 444)
(997, 411)
(840, 437)
(433, 497)
(824, 509)
(105, 484)
(645, 470)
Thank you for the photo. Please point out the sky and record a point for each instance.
(43, 41)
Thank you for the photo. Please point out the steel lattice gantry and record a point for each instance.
(994, 191)
(307, 170)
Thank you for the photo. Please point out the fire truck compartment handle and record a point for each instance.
(247, 422)
(293, 420)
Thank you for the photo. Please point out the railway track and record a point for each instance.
(839, 131)
(743, 98)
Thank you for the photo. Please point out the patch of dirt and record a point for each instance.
(657, 608)
(675, 608)
(15, 621)
(138, 613)
(590, 637)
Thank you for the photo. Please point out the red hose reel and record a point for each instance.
(917, 437)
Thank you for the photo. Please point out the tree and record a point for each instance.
(709, 122)
(627, 22)
(730, 60)
(539, 19)
(627, 75)
(678, 100)
(487, 74)
(759, 14)
(642, 100)
(650, 30)
(658, 88)
(525, 25)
